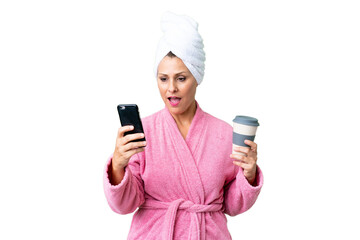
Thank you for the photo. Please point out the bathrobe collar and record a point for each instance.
(186, 149)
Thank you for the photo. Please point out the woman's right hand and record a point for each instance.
(124, 149)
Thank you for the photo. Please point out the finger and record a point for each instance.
(134, 151)
(252, 145)
(246, 167)
(131, 137)
(124, 129)
(242, 149)
(243, 165)
(238, 157)
(134, 145)
(244, 159)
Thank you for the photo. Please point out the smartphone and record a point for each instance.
(129, 115)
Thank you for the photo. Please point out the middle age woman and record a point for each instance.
(183, 179)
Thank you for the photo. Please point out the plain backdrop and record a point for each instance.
(65, 65)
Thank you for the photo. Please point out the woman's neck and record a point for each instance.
(185, 118)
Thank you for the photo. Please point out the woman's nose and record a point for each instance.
(172, 86)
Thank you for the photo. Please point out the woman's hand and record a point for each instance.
(247, 161)
(124, 149)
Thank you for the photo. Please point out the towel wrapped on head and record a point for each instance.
(182, 38)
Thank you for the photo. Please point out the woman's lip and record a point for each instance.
(175, 102)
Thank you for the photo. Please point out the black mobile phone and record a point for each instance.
(129, 115)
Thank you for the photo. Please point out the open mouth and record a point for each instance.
(174, 101)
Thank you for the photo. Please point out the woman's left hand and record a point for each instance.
(248, 161)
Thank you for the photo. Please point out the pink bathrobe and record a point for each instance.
(182, 188)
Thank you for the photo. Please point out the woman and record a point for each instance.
(183, 178)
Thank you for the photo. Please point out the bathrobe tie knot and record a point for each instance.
(182, 204)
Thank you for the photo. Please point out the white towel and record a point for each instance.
(182, 38)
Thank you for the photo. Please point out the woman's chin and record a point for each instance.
(174, 110)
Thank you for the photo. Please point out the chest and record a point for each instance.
(173, 166)
(183, 129)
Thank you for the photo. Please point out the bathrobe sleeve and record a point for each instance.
(239, 195)
(128, 195)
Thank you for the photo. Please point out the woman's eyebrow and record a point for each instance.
(175, 73)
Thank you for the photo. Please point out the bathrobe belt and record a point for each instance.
(173, 207)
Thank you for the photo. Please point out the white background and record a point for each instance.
(65, 65)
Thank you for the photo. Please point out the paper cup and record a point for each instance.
(244, 127)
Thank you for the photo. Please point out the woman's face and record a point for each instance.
(176, 84)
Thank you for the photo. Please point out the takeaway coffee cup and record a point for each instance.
(244, 127)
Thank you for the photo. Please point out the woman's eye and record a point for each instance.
(163, 79)
(181, 79)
